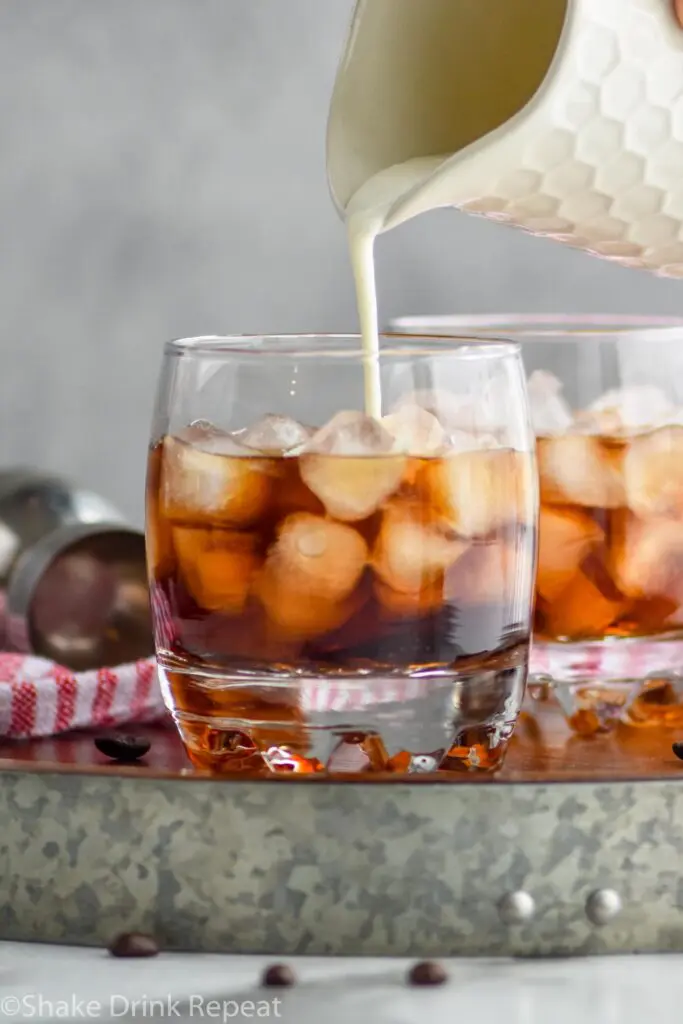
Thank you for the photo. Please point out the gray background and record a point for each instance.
(162, 173)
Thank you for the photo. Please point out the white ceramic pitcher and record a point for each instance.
(562, 117)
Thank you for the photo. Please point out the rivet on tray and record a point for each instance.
(516, 908)
(603, 905)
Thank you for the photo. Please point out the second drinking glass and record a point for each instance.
(334, 592)
(606, 394)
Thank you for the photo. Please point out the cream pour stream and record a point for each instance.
(366, 218)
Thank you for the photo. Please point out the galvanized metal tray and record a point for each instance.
(575, 848)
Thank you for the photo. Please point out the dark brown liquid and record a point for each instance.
(281, 569)
(613, 571)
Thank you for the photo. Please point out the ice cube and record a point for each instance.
(627, 411)
(460, 434)
(411, 553)
(217, 443)
(352, 433)
(576, 469)
(201, 430)
(215, 479)
(444, 405)
(472, 414)
(352, 489)
(217, 567)
(550, 412)
(159, 538)
(403, 604)
(297, 616)
(275, 435)
(486, 574)
(462, 441)
(311, 571)
(349, 466)
(318, 557)
(647, 559)
(581, 611)
(565, 538)
(477, 492)
(415, 431)
(653, 473)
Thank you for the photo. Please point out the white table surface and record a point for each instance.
(43, 983)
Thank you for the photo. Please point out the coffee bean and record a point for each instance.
(120, 747)
(278, 976)
(427, 973)
(134, 944)
(678, 749)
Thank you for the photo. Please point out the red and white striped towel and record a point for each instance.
(39, 698)
(632, 659)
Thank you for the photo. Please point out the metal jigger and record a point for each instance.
(72, 574)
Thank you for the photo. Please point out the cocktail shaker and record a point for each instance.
(72, 575)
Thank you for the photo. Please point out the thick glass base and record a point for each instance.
(599, 683)
(361, 725)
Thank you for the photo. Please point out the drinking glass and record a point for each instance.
(334, 592)
(606, 396)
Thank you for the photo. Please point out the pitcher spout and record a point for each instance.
(419, 79)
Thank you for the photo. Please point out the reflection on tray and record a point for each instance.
(543, 750)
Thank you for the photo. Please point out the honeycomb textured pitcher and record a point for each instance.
(561, 117)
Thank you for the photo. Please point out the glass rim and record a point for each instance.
(344, 346)
(548, 327)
